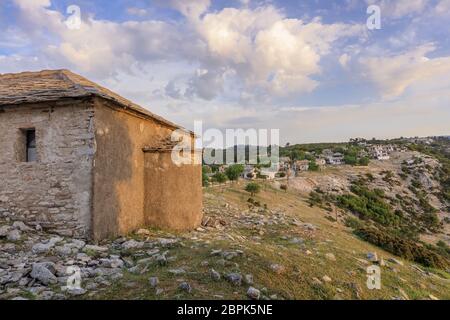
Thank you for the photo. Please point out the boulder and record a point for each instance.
(235, 278)
(44, 273)
(253, 293)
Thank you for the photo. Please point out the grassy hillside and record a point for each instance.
(291, 250)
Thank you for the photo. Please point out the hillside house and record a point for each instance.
(249, 172)
(269, 174)
(336, 158)
(301, 165)
(320, 162)
(82, 161)
(380, 152)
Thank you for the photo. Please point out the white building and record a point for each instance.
(380, 152)
(335, 159)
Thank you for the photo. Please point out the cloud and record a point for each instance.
(140, 12)
(191, 9)
(246, 63)
(268, 51)
(400, 8)
(394, 74)
(443, 7)
(257, 50)
(344, 59)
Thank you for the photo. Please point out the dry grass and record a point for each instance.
(296, 282)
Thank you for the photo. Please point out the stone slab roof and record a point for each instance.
(53, 85)
(163, 145)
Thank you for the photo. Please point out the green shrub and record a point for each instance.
(205, 178)
(315, 198)
(364, 161)
(313, 166)
(368, 205)
(253, 188)
(234, 171)
(219, 177)
(350, 159)
(404, 248)
(353, 222)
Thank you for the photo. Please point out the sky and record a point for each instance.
(312, 69)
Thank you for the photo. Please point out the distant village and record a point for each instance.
(294, 160)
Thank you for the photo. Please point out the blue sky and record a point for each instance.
(309, 68)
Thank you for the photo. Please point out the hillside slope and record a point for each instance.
(281, 247)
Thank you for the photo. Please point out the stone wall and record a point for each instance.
(54, 192)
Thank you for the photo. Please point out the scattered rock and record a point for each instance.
(297, 241)
(132, 244)
(44, 273)
(154, 281)
(309, 226)
(143, 232)
(4, 230)
(167, 242)
(177, 272)
(184, 286)
(14, 235)
(330, 257)
(432, 297)
(75, 291)
(248, 279)
(393, 260)
(21, 226)
(253, 293)
(161, 259)
(235, 278)
(214, 275)
(40, 248)
(372, 257)
(279, 269)
(326, 279)
(316, 282)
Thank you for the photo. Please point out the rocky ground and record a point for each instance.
(275, 248)
(388, 176)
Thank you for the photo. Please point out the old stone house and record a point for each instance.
(81, 161)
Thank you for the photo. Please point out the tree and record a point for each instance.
(313, 166)
(234, 171)
(253, 188)
(350, 159)
(220, 177)
(364, 161)
(205, 178)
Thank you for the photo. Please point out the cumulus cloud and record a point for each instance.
(238, 63)
(268, 51)
(258, 49)
(395, 73)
